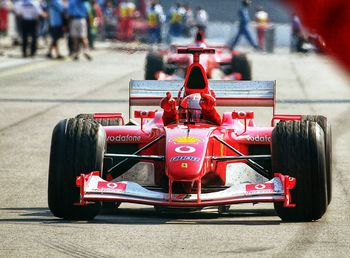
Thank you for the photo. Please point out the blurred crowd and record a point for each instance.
(51, 20)
(80, 22)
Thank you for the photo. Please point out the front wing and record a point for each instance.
(94, 188)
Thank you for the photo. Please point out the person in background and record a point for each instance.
(262, 21)
(65, 27)
(109, 21)
(78, 14)
(98, 19)
(188, 20)
(202, 19)
(155, 20)
(126, 14)
(4, 8)
(43, 22)
(17, 37)
(94, 19)
(298, 35)
(29, 11)
(90, 24)
(243, 29)
(175, 18)
(56, 13)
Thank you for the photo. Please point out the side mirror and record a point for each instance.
(242, 115)
(245, 116)
(144, 114)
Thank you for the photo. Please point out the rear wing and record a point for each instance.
(228, 93)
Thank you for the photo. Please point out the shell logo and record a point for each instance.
(186, 139)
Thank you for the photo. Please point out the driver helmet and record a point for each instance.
(190, 109)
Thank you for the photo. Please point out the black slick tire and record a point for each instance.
(107, 207)
(240, 64)
(154, 64)
(298, 150)
(322, 121)
(77, 147)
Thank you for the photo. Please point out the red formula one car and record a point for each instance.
(188, 157)
(167, 64)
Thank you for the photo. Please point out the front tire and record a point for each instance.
(326, 127)
(77, 147)
(298, 150)
(107, 207)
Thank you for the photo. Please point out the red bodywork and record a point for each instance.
(194, 163)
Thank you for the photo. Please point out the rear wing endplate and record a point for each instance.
(228, 93)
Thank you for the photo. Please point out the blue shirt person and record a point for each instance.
(56, 13)
(155, 19)
(78, 30)
(77, 9)
(243, 30)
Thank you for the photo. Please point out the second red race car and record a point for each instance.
(167, 64)
(189, 155)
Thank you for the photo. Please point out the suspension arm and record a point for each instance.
(113, 172)
(261, 170)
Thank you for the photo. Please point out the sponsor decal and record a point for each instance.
(185, 149)
(186, 139)
(183, 158)
(124, 138)
(119, 187)
(259, 187)
(183, 165)
(259, 138)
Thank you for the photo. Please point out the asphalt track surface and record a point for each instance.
(36, 95)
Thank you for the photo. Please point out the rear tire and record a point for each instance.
(240, 64)
(298, 150)
(77, 147)
(322, 121)
(154, 64)
(101, 121)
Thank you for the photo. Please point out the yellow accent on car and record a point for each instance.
(186, 139)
